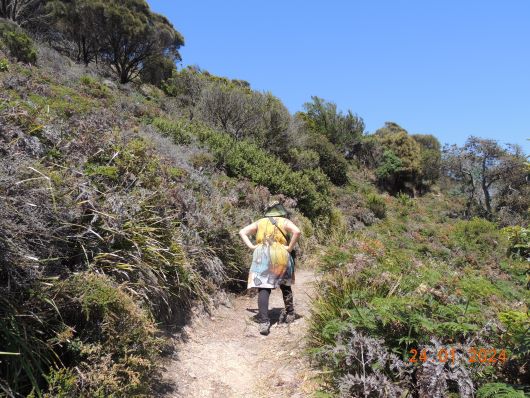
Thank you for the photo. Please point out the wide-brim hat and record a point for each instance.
(275, 209)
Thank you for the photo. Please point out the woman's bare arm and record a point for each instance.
(294, 231)
(250, 229)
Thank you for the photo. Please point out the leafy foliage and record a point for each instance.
(245, 159)
(398, 173)
(4, 65)
(500, 390)
(331, 162)
(377, 204)
(343, 130)
(419, 282)
(19, 45)
(519, 238)
(431, 160)
(482, 167)
(127, 35)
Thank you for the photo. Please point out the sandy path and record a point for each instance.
(225, 356)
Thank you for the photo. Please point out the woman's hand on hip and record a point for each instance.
(286, 248)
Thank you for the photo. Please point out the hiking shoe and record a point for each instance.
(264, 328)
(287, 318)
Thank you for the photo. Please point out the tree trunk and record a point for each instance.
(485, 190)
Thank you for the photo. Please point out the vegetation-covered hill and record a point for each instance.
(120, 203)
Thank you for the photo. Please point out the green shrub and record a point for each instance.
(93, 87)
(332, 163)
(302, 159)
(4, 65)
(519, 238)
(376, 204)
(62, 383)
(479, 236)
(176, 130)
(311, 188)
(110, 172)
(18, 43)
(202, 160)
(517, 334)
(499, 390)
(389, 166)
(108, 337)
(88, 80)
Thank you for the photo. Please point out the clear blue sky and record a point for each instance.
(449, 68)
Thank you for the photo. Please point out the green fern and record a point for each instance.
(499, 390)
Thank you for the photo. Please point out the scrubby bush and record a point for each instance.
(431, 160)
(388, 167)
(157, 69)
(175, 129)
(105, 334)
(332, 163)
(236, 110)
(186, 87)
(4, 65)
(400, 165)
(19, 45)
(377, 204)
(398, 282)
(344, 131)
(244, 159)
(519, 239)
(478, 235)
(302, 159)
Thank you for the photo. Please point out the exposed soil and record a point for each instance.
(223, 355)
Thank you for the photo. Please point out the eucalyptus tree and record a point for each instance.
(21, 11)
(491, 176)
(125, 34)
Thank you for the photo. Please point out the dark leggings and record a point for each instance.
(263, 301)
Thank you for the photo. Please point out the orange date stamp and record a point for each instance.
(484, 355)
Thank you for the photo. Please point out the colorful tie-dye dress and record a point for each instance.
(272, 265)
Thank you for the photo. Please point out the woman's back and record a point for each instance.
(268, 232)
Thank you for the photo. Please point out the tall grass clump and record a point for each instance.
(19, 45)
(377, 204)
(103, 332)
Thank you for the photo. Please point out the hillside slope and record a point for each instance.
(119, 212)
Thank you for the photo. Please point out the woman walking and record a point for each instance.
(272, 260)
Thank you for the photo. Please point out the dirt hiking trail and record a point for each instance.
(223, 355)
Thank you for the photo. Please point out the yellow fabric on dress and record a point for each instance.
(266, 230)
(272, 264)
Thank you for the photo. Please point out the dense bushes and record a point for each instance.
(332, 163)
(105, 228)
(244, 159)
(19, 45)
(519, 238)
(406, 283)
(103, 332)
(343, 130)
